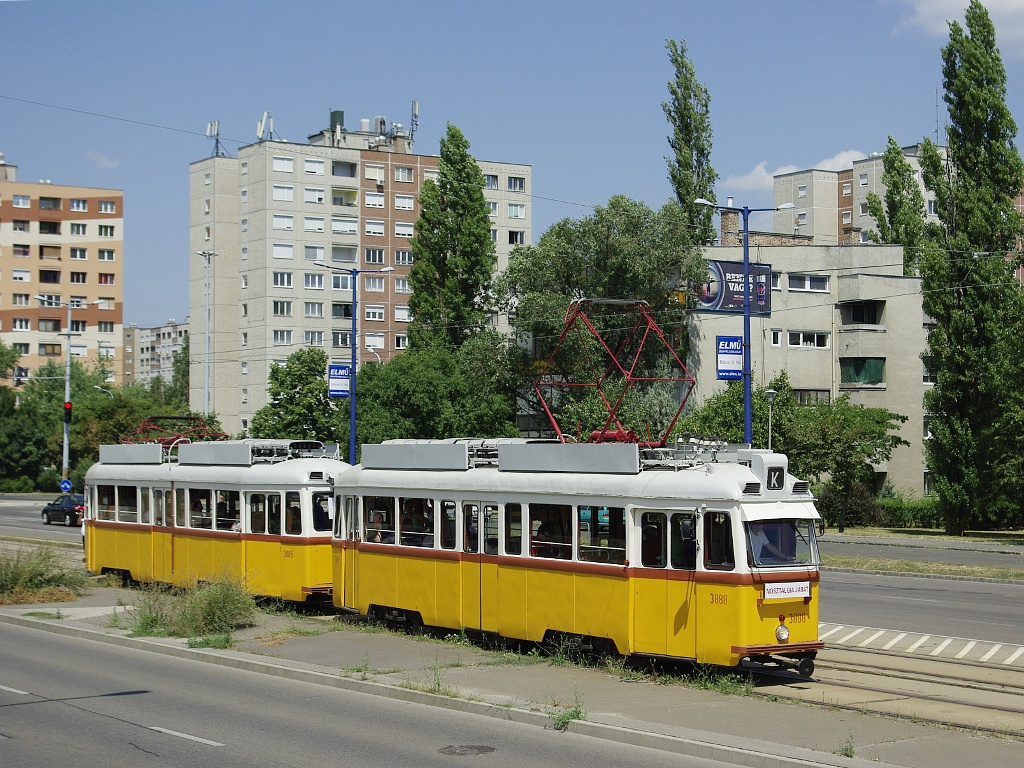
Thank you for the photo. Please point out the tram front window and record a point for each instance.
(781, 542)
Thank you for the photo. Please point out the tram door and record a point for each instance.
(664, 606)
(479, 573)
(345, 556)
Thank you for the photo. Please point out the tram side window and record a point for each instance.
(199, 515)
(179, 507)
(158, 507)
(144, 506)
(513, 529)
(379, 519)
(602, 532)
(684, 541)
(105, 505)
(490, 529)
(448, 513)
(470, 527)
(321, 511)
(257, 513)
(718, 541)
(343, 517)
(229, 512)
(417, 523)
(551, 531)
(653, 539)
(274, 514)
(127, 504)
(293, 514)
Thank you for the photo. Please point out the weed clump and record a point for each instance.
(38, 576)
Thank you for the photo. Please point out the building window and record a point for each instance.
(516, 237)
(815, 339)
(812, 396)
(345, 226)
(245, 394)
(314, 224)
(76, 229)
(403, 174)
(931, 208)
(374, 340)
(314, 281)
(401, 341)
(21, 324)
(862, 312)
(280, 221)
(282, 250)
(374, 285)
(341, 311)
(314, 338)
(282, 308)
(847, 217)
(107, 206)
(490, 181)
(282, 338)
(862, 370)
(78, 278)
(808, 283)
(50, 227)
(21, 300)
(314, 309)
(21, 348)
(801, 191)
(50, 276)
(373, 199)
(516, 211)
(313, 165)
(105, 254)
(105, 326)
(374, 255)
(49, 350)
(403, 258)
(374, 173)
(245, 281)
(282, 279)
(340, 338)
(245, 367)
(929, 376)
(283, 193)
(106, 230)
(863, 179)
(21, 275)
(374, 312)
(245, 196)
(492, 208)
(19, 225)
(283, 164)
(402, 285)
(403, 229)
(79, 205)
(516, 184)
(402, 314)
(81, 326)
(49, 300)
(21, 251)
(801, 218)
(20, 201)
(863, 209)
(313, 253)
(374, 228)
(341, 282)
(776, 337)
(404, 202)
(313, 195)
(245, 225)
(432, 174)
(106, 278)
(46, 325)
(847, 189)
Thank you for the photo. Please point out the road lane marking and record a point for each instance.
(893, 642)
(185, 736)
(942, 646)
(967, 649)
(851, 635)
(1016, 654)
(991, 653)
(920, 641)
(872, 639)
(831, 631)
(14, 690)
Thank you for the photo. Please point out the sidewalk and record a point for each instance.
(749, 731)
(950, 543)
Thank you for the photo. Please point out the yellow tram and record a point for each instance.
(703, 552)
(259, 511)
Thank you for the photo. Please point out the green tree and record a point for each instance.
(299, 406)
(8, 360)
(454, 254)
(689, 168)
(969, 289)
(902, 221)
(177, 392)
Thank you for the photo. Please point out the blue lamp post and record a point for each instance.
(748, 420)
(353, 273)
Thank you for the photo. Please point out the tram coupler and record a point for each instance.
(802, 665)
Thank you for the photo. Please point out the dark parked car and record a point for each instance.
(67, 509)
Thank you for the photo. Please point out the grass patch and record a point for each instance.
(847, 750)
(710, 678)
(991, 537)
(210, 610)
(913, 566)
(38, 576)
(562, 716)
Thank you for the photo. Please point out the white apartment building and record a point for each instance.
(61, 250)
(260, 222)
(844, 320)
(153, 349)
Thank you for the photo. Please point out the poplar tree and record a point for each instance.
(453, 251)
(689, 167)
(969, 289)
(902, 220)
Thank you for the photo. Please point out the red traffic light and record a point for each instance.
(67, 412)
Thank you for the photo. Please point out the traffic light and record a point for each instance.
(67, 413)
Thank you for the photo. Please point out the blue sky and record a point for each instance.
(573, 89)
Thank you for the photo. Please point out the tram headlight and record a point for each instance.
(782, 633)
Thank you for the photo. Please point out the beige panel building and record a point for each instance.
(259, 223)
(64, 244)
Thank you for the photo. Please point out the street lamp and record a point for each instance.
(748, 419)
(101, 389)
(370, 349)
(770, 394)
(353, 273)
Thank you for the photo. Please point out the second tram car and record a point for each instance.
(260, 511)
(699, 552)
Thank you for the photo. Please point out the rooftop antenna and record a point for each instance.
(213, 132)
(265, 128)
(414, 121)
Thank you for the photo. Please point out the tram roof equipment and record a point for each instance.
(239, 453)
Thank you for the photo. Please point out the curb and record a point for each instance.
(726, 749)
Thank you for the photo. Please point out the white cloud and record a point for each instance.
(102, 162)
(933, 16)
(840, 161)
(760, 179)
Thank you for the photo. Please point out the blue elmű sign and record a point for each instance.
(338, 380)
(730, 357)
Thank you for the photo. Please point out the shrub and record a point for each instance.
(212, 608)
(898, 512)
(27, 575)
(21, 484)
(862, 508)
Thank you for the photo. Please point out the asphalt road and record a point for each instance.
(65, 701)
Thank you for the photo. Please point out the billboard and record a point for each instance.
(723, 291)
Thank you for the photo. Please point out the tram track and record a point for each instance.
(984, 697)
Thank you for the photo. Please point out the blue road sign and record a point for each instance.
(65, 486)
(339, 380)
